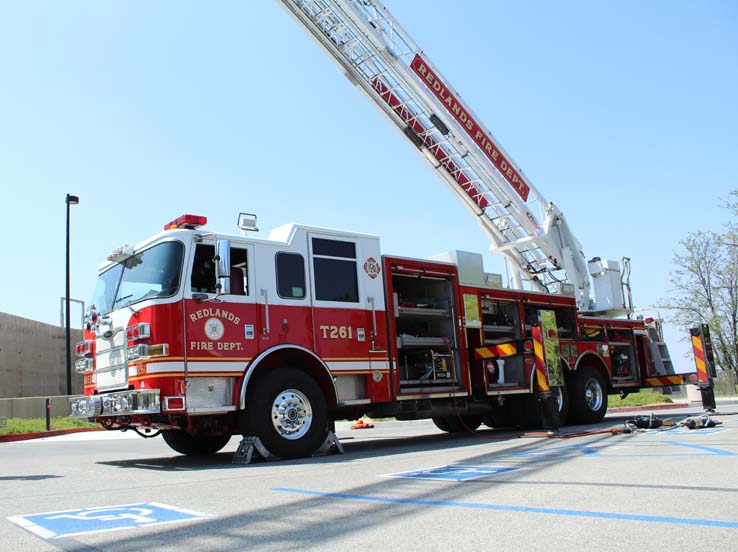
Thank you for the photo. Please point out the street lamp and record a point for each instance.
(70, 200)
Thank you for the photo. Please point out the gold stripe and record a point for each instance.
(507, 349)
(485, 353)
(664, 380)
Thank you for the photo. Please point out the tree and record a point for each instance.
(705, 285)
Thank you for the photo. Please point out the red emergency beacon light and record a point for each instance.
(188, 222)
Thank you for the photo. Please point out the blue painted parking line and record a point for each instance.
(453, 473)
(520, 509)
(53, 525)
(681, 432)
(711, 451)
(594, 451)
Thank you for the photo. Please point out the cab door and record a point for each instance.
(348, 314)
(220, 329)
(283, 300)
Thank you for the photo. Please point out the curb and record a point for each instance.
(26, 436)
(662, 406)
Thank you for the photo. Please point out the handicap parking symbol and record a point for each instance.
(454, 473)
(53, 525)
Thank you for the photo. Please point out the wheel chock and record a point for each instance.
(331, 445)
(246, 449)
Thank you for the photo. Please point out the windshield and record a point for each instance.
(154, 272)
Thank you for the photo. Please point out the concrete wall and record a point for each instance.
(34, 407)
(32, 360)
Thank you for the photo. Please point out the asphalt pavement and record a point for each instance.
(398, 486)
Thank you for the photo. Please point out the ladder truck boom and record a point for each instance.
(380, 58)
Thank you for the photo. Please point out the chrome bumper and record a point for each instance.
(120, 403)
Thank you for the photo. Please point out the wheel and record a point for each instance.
(458, 424)
(441, 424)
(507, 414)
(532, 418)
(562, 403)
(287, 411)
(588, 395)
(194, 445)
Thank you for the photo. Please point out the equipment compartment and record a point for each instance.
(427, 346)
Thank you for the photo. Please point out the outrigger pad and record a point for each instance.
(246, 449)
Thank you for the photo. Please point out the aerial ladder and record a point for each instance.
(380, 58)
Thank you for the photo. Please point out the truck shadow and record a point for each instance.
(306, 518)
(361, 445)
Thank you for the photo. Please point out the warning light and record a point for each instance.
(138, 331)
(85, 348)
(693, 378)
(174, 403)
(551, 334)
(187, 222)
(528, 345)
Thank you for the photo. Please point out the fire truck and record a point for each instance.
(203, 335)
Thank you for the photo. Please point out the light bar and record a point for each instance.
(187, 222)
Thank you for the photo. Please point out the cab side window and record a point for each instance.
(203, 270)
(334, 267)
(290, 275)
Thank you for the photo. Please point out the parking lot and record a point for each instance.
(400, 485)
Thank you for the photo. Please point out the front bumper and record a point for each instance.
(119, 403)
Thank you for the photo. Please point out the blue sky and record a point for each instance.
(624, 114)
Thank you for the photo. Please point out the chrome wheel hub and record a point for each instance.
(560, 399)
(593, 394)
(292, 414)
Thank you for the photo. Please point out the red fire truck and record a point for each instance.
(204, 335)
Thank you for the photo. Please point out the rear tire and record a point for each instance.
(532, 416)
(562, 402)
(458, 424)
(588, 395)
(441, 424)
(286, 409)
(194, 445)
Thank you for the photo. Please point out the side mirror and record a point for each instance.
(223, 266)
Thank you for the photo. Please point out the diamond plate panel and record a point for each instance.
(209, 392)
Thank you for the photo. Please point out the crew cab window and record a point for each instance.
(203, 270)
(290, 275)
(334, 268)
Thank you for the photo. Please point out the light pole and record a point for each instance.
(70, 200)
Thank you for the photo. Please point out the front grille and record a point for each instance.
(111, 361)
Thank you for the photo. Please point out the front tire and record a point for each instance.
(286, 409)
(588, 396)
(194, 445)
